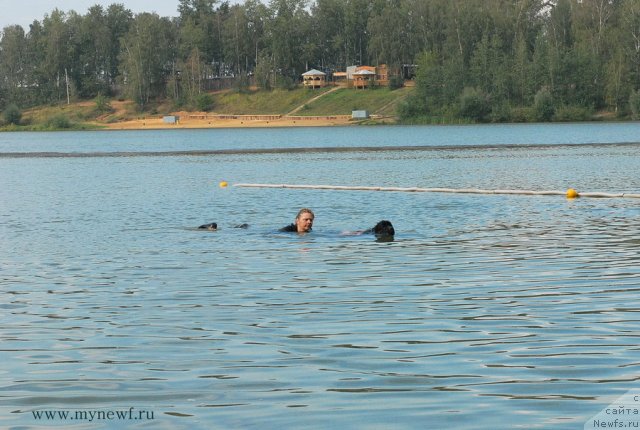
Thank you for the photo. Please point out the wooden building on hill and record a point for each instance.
(340, 78)
(364, 78)
(314, 79)
(360, 77)
(382, 75)
(371, 69)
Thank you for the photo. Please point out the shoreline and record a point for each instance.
(193, 121)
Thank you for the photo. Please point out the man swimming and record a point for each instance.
(303, 222)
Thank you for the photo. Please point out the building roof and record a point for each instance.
(314, 72)
(364, 72)
(372, 68)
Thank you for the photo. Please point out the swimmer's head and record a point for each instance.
(304, 220)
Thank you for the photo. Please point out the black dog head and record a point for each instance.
(211, 226)
(384, 229)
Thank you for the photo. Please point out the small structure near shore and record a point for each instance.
(359, 114)
(171, 119)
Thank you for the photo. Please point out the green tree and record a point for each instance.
(257, 15)
(264, 73)
(629, 41)
(54, 43)
(90, 40)
(389, 40)
(430, 24)
(13, 63)
(522, 74)
(102, 104)
(634, 104)
(197, 28)
(474, 104)
(236, 40)
(616, 84)
(192, 76)
(147, 57)
(12, 114)
(543, 105)
(118, 20)
(542, 74)
(356, 37)
(328, 30)
(288, 37)
(95, 44)
(205, 102)
(429, 94)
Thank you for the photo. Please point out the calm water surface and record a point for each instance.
(491, 311)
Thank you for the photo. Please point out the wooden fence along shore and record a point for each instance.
(269, 117)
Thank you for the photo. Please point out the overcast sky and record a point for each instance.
(24, 12)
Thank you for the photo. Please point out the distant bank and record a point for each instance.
(278, 108)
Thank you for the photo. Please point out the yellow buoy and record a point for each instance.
(572, 194)
(223, 184)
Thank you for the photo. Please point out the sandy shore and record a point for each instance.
(190, 120)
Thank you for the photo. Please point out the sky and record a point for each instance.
(24, 12)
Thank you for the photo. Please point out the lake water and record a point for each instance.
(486, 311)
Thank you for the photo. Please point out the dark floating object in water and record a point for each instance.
(384, 228)
(212, 226)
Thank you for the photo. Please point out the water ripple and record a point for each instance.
(482, 311)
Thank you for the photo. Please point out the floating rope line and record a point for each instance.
(570, 193)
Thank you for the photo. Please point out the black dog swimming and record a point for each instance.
(213, 226)
(383, 230)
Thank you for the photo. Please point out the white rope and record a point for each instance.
(438, 190)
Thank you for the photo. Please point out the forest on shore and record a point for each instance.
(475, 60)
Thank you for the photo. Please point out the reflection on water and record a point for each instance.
(484, 312)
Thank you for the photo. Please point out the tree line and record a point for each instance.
(486, 60)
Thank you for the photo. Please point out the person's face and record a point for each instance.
(304, 222)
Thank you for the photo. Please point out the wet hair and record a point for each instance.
(305, 211)
(384, 228)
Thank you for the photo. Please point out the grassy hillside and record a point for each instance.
(381, 101)
(75, 116)
(276, 102)
(304, 101)
(339, 102)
